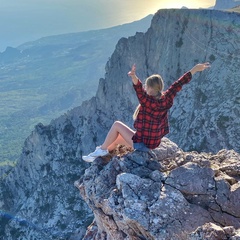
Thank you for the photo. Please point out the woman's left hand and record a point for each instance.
(132, 73)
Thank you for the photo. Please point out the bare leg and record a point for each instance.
(120, 140)
(118, 134)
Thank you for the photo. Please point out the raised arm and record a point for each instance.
(200, 67)
(186, 78)
(132, 74)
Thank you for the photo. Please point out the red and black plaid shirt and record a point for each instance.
(151, 123)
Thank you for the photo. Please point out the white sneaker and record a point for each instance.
(97, 153)
(88, 158)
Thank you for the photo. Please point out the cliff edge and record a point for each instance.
(165, 194)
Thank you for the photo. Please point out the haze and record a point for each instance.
(27, 20)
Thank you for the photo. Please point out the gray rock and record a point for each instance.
(192, 201)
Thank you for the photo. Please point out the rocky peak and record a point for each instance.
(165, 194)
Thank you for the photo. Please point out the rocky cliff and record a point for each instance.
(205, 116)
(38, 199)
(166, 194)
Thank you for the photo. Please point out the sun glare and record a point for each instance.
(142, 9)
(154, 5)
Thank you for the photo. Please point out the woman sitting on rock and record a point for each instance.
(150, 117)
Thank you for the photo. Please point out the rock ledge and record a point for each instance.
(166, 194)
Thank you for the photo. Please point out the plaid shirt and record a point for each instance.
(151, 123)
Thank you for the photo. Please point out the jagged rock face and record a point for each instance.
(38, 198)
(39, 192)
(169, 195)
(206, 113)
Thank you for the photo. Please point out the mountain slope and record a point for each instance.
(43, 79)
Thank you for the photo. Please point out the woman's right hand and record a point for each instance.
(200, 67)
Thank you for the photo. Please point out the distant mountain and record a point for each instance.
(235, 9)
(226, 4)
(43, 79)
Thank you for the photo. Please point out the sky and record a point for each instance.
(28, 20)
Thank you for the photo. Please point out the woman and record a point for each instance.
(150, 117)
